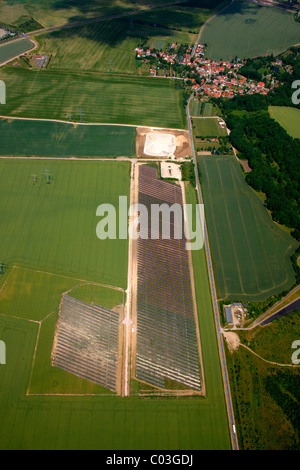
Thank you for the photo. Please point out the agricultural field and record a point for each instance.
(288, 118)
(50, 248)
(187, 17)
(251, 254)
(209, 127)
(56, 139)
(105, 98)
(167, 340)
(59, 219)
(266, 393)
(200, 108)
(12, 49)
(56, 13)
(250, 30)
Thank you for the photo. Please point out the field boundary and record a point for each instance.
(90, 123)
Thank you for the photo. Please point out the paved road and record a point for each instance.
(213, 294)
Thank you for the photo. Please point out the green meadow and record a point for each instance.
(264, 393)
(106, 46)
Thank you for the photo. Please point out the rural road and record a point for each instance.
(213, 294)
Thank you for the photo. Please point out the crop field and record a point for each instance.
(50, 13)
(251, 254)
(246, 30)
(86, 342)
(288, 118)
(56, 139)
(12, 49)
(167, 346)
(187, 17)
(200, 108)
(107, 98)
(59, 219)
(208, 128)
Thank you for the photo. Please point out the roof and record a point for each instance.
(228, 314)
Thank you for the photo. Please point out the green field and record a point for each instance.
(57, 139)
(288, 118)
(12, 49)
(102, 98)
(251, 254)
(200, 108)
(247, 30)
(49, 245)
(208, 128)
(104, 47)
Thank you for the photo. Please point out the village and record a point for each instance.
(205, 76)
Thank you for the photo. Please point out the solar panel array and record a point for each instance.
(167, 345)
(86, 342)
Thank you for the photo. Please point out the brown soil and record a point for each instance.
(182, 141)
(232, 339)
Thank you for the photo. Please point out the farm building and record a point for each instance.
(228, 314)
